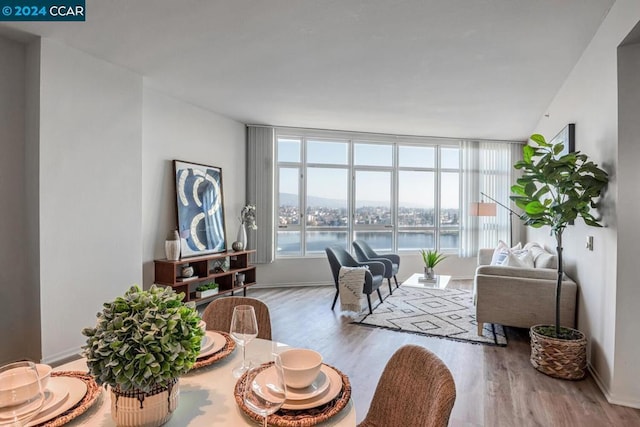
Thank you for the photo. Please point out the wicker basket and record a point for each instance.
(559, 358)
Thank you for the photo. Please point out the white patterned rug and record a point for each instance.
(445, 313)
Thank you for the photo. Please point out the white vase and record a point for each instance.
(136, 408)
(172, 246)
(242, 235)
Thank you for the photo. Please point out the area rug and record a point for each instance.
(444, 313)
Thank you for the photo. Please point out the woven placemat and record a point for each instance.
(224, 352)
(291, 417)
(93, 392)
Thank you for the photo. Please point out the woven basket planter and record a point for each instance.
(559, 358)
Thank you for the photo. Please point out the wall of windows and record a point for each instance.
(398, 194)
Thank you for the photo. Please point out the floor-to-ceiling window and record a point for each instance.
(396, 193)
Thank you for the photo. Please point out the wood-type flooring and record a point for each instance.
(496, 386)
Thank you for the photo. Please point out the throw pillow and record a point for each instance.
(501, 252)
(522, 259)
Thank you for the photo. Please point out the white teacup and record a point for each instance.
(301, 366)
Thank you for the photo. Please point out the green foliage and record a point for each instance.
(143, 339)
(207, 286)
(556, 190)
(431, 257)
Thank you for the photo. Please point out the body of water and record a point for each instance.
(288, 242)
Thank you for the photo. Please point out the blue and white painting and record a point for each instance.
(200, 208)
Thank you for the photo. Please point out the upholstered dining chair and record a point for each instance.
(391, 262)
(218, 314)
(338, 257)
(416, 389)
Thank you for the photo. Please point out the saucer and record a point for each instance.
(73, 391)
(320, 384)
(218, 343)
(334, 389)
(331, 387)
(206, 343)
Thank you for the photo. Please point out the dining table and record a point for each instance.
(206, 394)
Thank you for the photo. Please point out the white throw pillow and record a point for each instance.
(501, 252)
(522, 259)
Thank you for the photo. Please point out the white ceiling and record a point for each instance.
(457, 68)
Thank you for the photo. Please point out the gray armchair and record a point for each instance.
(338, 257)
(391, 262)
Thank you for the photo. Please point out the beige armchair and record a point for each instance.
(522, 297)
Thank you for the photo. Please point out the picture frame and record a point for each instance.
(199, 208)
(567, 136)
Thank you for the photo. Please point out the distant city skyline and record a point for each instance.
(371, 185)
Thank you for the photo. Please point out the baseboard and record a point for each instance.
(607, 394)
(290, 285)
(63, 357)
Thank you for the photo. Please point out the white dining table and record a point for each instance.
(206, 394)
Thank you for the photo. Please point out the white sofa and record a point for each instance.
(522, 297)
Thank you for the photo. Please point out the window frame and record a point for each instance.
(352, 139)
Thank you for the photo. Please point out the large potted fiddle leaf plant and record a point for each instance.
(555, 190)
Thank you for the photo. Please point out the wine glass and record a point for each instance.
(268, 396)
(21, 393)
(244, 328)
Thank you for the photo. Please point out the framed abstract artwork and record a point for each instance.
(568, 137)
(200, 208)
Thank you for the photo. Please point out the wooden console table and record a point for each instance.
(169, 273)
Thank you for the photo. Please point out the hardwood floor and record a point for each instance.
(496, 386)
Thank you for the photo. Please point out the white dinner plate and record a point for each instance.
(265, 380)
(206, 344)
(334, 381)
(219, 341)
(54, 395)
(75, 389)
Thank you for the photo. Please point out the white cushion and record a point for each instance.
(500, 253)
(522, 259)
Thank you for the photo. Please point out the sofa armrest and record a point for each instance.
(484, 256)
(522, 301)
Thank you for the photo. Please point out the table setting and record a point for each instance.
(202, 381)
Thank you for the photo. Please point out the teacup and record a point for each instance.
(301, 366)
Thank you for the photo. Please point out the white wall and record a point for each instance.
(90, 191)
(589, 98)
(314, 271)
(626, 386)
(19, 333)
(173, 129)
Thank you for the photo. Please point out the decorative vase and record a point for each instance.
(242, 235)
(237, 246)
(136, 408)
(557, 357)
(172, 246)
(239, 279)
(429, 274)
(187, 271)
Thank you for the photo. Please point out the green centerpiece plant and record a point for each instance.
(554, 191)
(431, 258)
(141, 344)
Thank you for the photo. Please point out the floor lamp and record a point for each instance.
(489, 209)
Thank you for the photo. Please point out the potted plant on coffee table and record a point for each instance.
(553, 191)
(431, 258)
(142, 342)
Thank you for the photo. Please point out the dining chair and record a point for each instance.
(391, 262)
(416, 389)
(338, 257)
(218, 314)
